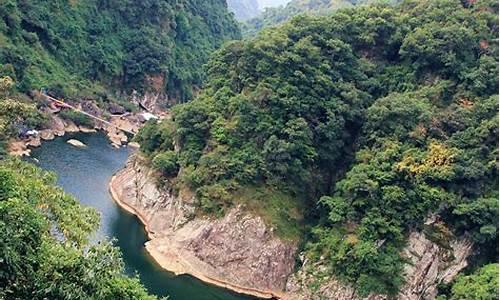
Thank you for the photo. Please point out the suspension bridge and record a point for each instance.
(62, 104)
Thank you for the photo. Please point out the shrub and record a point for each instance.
(166, 162)
(78, 118)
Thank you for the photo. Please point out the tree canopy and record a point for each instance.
(368, 121)
(44, 243)
(84, 48)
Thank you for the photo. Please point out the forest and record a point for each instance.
(274, 16)
(344, 132)
(348, 131)
(84, 50)
(45, 243)
(96, 49)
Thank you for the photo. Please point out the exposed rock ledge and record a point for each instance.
(237, 252)
(429, 265)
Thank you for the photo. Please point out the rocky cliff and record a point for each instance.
(237, 251)
(429, 264)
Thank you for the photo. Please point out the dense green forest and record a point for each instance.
(90, 50)
(45, 249)
(276, 15)
(84, 49)
(348, 131)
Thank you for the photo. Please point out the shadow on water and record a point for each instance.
(85, 174)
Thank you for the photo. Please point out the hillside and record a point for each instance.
(87, 48)
(271, 3)
(275, 15)
(243, 9)
(45, 241)
(95, 53)
(348, 132)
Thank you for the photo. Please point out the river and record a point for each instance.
(85, 174)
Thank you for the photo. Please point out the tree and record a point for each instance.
(481, 285)
(44, 243)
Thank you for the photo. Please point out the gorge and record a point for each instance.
(350, 154)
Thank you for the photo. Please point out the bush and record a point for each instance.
(78, 118)
(166, 162)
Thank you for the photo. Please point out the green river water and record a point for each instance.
(85, 173)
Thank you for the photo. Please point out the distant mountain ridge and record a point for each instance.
(243, 9)
(275, 15)
(271, 3)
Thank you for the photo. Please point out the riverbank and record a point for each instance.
(59, 127)
(168, 247)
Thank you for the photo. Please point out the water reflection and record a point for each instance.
(85, 173)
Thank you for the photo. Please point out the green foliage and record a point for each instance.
(69, 46)
(166, 162)
(44, 243)
(16, 113)
(481, 285)
(155, 138)
(279, 210)
(273, 16)
(387, 114)
(76, 117)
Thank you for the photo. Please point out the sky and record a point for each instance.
(271, 3)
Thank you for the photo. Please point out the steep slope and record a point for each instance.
(243, 9)
(83, 48)
(275, 15)
(45, 245)
(271, 3)
(361, 125)
(237, 251)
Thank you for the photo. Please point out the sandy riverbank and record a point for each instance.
(175, 262)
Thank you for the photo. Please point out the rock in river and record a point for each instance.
(76, 143)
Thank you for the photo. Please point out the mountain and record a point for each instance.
(84, 48)
(348, 134)
(243, 9)
(275, 15)
(93, 52)
(271, 3)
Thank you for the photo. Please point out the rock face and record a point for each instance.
(150, 101)
(116, 109)
(237, 251)
(430, 264)
(91, 108)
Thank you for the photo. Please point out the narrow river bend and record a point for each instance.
(85, 174)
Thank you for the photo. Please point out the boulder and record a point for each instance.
(47, 134)
(134, 145)
(116, 109)
(91, 108)
(76, 143)
(86, 129)
(70, 126)
(34, 141)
